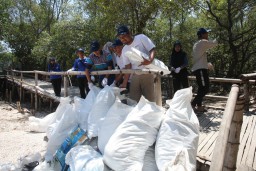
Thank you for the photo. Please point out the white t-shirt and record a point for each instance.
(140, 42)
(119, 62)
(199, 53)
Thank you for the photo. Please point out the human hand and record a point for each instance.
(70, 70)
(123, 85)
(104, 82)
(177, 70)
(90, 85)
(210, 66)
(145, 62)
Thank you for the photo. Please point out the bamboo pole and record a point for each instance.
(158, 92)
(246, 95)
(221, 149)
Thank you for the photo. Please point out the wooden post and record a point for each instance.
(10, 96)
(171, 86)
(246, 94)
(21, 77)
(227, 141)
(31, 100)
(36, 96)
(6, 95)
(158, 91)
(65, 86)
(234, 136)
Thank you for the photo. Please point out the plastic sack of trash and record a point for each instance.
(137, 57)
(177, 140)
(149, 163)
(84, 157)
(8, 167)
(61, 130)
(126, 148)
(115, 116)
(46, 166)
(84, 106)
(104, 100)
(41, 124)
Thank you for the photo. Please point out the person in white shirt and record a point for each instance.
(140, 84)
(200, 67)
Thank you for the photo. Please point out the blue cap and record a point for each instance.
(202, 31)
(117, 42)
(80, 50)
(52, 59)
(95, 46)
(121, 30)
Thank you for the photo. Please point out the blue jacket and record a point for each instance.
(80, 65)
(54, 68)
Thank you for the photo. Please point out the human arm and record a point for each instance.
(151, 57)
(126, 77)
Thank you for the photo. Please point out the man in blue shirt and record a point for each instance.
(99, 60)
(80, 64)
(55, 79)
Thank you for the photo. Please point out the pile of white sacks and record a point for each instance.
(126, 137)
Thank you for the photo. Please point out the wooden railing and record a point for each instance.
(227, 144)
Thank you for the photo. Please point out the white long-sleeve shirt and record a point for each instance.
(199, 53)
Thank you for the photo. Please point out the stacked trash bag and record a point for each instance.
(108, 131)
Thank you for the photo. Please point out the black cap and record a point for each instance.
(202, 31)
(117, 42)
(177, 42)
(80, 50)
(122, 30)
(52, 59)
(95, 46)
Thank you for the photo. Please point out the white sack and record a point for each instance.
(41, 124)
(84, 158)
(104, 100)
(115, 116)
(137, 56)
(177, 141)
(149, 163)
(126, 148)
(84, 106)
(61, 130)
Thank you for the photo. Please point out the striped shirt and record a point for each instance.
(100, 62)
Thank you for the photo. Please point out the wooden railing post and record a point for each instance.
(246, 94)
(227, 144)
(65, 86)
(158, 91)
(21, 78)
(36, 84)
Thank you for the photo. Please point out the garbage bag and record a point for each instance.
(41, 124)
(126, 148)
(177, 140)
(149, 163)
(104, 100)
(137, 57)
(61, 130)
(115, 116)
(84, 106)
(84, 158)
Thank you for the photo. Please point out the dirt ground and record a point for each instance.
(16, 140)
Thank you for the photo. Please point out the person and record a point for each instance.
(140, 84)
(200, 67)
(178, 64)
(110, 49)
(99, 60)
(53, 66)
(80, 65)
(117, 48)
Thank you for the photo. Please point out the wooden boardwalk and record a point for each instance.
(209, 129)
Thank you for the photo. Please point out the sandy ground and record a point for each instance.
(16, 140)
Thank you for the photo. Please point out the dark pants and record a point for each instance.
(180, 80)
(202, 79)
(83, 85)
(56, 83)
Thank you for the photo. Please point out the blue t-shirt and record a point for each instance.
(54, 68)
(100, 62)
(80, 65)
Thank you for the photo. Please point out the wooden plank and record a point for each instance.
(210, 145)
(248, 141)
(251, 153)
(204, 143)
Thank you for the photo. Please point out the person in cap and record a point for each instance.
(178, 64)
(118, 47)
(140, 84)
(200, 67)
(110, 49)
(53, 66)
(99, 60)
(80, 65)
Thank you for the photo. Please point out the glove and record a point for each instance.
(104, 82)
(92, 78)
(177, 70)
(210, 66)
(113, 84)
(70, 70)
(90, 85)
